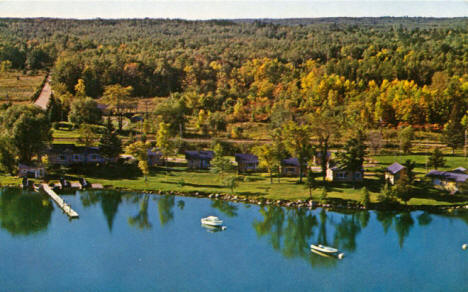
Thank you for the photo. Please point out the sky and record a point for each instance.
(230, 9)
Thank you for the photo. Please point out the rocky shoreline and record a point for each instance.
(331, 204)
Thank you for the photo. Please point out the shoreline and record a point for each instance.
(332, 204)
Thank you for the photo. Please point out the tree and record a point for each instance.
(266, 156)
(311, 183)
(324, 126)
(231, 182)
(365, 197)
(80, 89)
(162, 139)
(117, 98)
(84, 111)
(453, 135)
(436, 159)
(220, 164)
(410, 165)
(297, 141)
(87, 135)
(7, 156)
(352, 159)
(139, 150)
(54, 110)
(173, 112)
(323, 195)
(28, 129)
(464, 123)
(406, 136)
(110, 145)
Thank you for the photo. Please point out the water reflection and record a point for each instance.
(141, 219)
(227, 208)
(23, 213)
(165, 206)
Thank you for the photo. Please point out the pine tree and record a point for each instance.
(436, 159)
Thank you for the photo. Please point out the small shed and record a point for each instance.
(31, 171)
(394, 172)
(344, 175)
(246, 162)
(290, 167)
(199, 159)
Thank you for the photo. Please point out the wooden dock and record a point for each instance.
(60, 202)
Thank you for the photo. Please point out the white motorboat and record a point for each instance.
(324, 249)
(212, 221)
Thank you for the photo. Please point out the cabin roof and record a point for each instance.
(292, 161)
(448, 175)
(395, 168)
(460, 170)
(246, 157)
(199, 154)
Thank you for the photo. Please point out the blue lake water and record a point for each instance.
(135, 242)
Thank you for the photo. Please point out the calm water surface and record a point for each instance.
(134, 242)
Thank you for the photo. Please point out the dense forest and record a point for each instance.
(372, 71)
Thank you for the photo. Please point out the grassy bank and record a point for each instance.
(258, 185)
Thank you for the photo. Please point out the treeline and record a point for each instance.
(373, 70)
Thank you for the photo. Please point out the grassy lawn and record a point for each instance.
(257, 185)
(19, 87)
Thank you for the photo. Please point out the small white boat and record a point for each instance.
(323, 248)
(212, 221)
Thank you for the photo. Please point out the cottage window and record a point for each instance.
(76, 157)
(62, 157)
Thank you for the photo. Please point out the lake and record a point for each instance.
(139, 242)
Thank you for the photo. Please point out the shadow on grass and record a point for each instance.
(429, 192)
(193, 185)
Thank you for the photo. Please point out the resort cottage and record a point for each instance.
(343, 175)
(155, 158)
(246, 162)
(451, 181)
(31, 171)
(199, 159)
(317, 159)
(69, 154)
(290, 167)
(394, 172)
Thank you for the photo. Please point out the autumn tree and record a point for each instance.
(139, 150)
(325, 126)
(163, 140)
(117, 98)
(406, 136)
(266, 156)
(297, 141)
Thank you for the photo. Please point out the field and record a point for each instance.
(18, 87)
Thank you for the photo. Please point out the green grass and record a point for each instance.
(19, 87)
(258, 185)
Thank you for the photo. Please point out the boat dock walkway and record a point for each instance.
(60, 202)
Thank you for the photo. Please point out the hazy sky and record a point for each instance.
(209, 9)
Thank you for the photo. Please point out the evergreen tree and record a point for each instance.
(436, 159)
(352, 159)
(110, 145)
